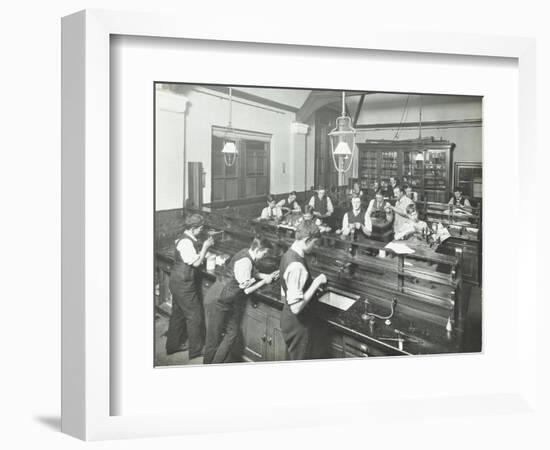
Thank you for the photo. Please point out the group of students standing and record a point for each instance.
(213, 328)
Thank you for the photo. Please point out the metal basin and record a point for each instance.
(337, 300)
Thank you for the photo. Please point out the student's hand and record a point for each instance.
(357, 226)
(316, 213)
(208, 243)
(320, 279)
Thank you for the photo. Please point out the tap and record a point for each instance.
(344, 267)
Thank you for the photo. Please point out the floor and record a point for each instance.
(161, 358)
(472, 342)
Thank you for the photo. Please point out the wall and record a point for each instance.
(169, 145)
(208, 108)
(384, 108)
(182, 138)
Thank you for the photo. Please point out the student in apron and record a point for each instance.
(290, 204)
(377, 206)
(400, 208)
(458, 200)
(321, 203)
(187, 317)
(299, 324)
(223, 336)
(356, 219)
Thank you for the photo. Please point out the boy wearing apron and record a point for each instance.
(299, 323)
(187, 317)
(223, 337)
(356, 219)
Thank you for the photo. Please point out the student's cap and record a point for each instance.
(194, 221)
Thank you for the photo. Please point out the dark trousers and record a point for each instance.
(224, 341)
(186, 320)
(305, 335)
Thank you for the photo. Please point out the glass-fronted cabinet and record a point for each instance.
(425, 165)
(412, 174)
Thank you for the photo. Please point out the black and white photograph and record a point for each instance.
(305, 224)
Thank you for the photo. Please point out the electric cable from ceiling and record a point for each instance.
(404, 114)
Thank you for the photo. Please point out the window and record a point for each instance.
(469, 175)
(248, 177)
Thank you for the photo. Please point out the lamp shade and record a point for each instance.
(342, 141)
(342, 149)
(229, 148)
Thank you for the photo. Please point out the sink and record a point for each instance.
(337, 300)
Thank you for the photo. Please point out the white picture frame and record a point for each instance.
(86, 257)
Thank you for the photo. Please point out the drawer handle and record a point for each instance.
(254, 305)
(263, 338)
(269, 340)
(363, 348)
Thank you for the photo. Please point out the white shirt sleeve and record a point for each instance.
(187, 252)
(405, 228)
(265, 213)
(345, 225)
(312, 201)
(368, 223)
(243, 273)
(371, 205)
(295, 278)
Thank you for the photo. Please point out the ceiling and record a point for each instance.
(304, 102)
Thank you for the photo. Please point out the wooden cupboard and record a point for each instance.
(263, 339)
(425, 165)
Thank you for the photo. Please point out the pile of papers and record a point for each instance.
(399, 248)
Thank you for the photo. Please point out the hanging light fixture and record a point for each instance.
(420, 155)
(342, 140)
(229, 150)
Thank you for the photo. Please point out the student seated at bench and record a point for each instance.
(271, 211)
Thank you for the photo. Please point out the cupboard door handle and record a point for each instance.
(269, 341)
(263, 338)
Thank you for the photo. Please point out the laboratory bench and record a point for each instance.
(401, 304)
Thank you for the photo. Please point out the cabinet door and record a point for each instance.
(354, 349)
(254, 332)
(470, 263)
(276, 347)
(336, 349)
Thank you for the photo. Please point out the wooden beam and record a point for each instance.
(318, 99)
(253, 98)
(358, 111)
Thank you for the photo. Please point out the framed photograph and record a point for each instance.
(231, 231)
